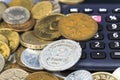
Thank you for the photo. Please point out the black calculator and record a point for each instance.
(102, 52)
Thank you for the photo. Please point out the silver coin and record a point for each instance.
(116, 73)
(13, 74)
(16, 15)
(60, 55)
(79, 75)
(30, 58)
(3, 6)
(56, 6)
(2, 62)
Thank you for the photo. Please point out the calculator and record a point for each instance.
(102, 52)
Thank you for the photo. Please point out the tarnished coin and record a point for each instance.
(29, 40)
(103, 76)
(47, 28)
(71, 1)
(4, 50)
(24, 3)
(77, 26)
(23, 27)
(2, 62)
(41, 76)
(3, 39)
(60, 55)
(12, 36)
(116, 73)
(42, 9)
(3, 6)
(16, 15)
(79, 75)
(30, 58)
(13, 74)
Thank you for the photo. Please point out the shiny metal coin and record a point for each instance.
(79, 75)
(116, 73)
(60, 55)
(13, 74)
(30, 58)
(3, 6)
(2, 62)
(16, 15)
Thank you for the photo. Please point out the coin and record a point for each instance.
(2, 62)
(16, 15)
(58, 56)
(47, 28)
(77, 26)
(13, 74)
(23, 27)
(59, 75)
(79, 75)
(116, 73)
(103, 76)
(12, 36)
(30, 58)
(24, 3)
(3, 6)
(71, 1)
(56, 6)
(3, 25)
(41, 76)
(3, 39)
(29, 40)
(42, 9)
(4, 50)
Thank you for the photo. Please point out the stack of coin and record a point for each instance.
(18, 18)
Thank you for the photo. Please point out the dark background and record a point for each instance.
(102, 1)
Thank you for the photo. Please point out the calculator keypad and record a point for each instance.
(102, 52)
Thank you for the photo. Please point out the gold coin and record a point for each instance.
(47, 28)
(41, 76)
(103, 76)
(4, 50)
(71, 1)
(12, 36)
(42, 9)
(23, 27)
(3, 25)
(3, 39)
(77, 26)
(24, 3)
(29, 40)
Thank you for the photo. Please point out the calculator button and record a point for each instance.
(114, 36)
(98, 36)
(117, 10)
(102, 10)
(74, 10)
(97, 45)
(115, 55)
(114, 45)
(97, 18)
(100, 27)
(88, 10)
(83, 45)
(98, 55)
(84, 55)
(113, 27)
(112, 19)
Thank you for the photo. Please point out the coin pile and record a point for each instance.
(37, 38)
